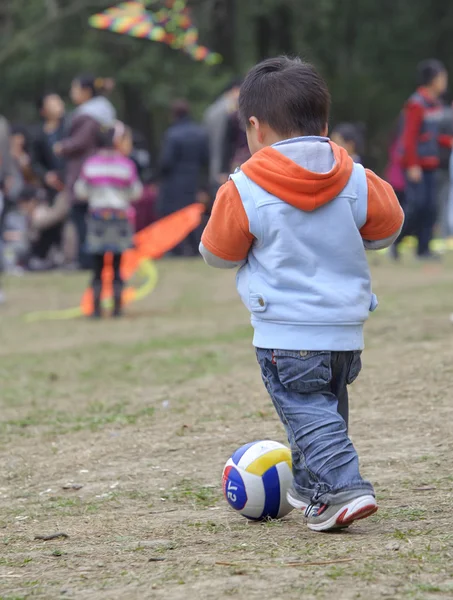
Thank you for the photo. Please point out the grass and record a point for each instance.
(92, 419)
(144, 412)
(189, 492)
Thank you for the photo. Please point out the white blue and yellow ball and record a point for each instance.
(256, 479)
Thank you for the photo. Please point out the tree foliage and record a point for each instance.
(367, 50)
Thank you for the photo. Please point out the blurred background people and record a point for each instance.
(93, 111)
(10, 186)
(351, 137)
(235, 146)
(216, 120)
(108, 182)
(32, 231)
(20, 152)
(47, 165)
(183, 169)
(420, 145)
(443, 174)
(49, 168)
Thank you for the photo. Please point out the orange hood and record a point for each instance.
(304, 189)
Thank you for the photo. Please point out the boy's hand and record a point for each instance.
(415, 174)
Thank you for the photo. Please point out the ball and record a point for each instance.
(256, 479)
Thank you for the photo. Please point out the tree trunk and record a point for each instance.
(6, 21)
(52, 8)
(136, 115)
(224, 29)
(283, 27)
(263, 36)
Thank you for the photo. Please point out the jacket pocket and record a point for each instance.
(355, 367)
(258, 303)
(303, 371)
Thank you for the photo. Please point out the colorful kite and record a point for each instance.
(152, 242)
(170, 25)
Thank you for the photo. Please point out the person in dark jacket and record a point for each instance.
(93, 112)
(46, 164)
(183, 168)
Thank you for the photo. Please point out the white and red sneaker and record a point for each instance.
(325, 517)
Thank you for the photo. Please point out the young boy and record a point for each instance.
(297, 219)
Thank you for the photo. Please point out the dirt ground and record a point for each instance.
(142, 415)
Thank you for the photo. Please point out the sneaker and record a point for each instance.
(324, 517)
(296, 500)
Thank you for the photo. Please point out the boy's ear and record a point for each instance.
(255, 124)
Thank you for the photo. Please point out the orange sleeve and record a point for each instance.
(227, 234)
(385, 215)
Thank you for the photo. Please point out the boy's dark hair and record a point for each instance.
(287, 94)
(428, 70)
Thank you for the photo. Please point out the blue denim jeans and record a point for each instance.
(309, 392)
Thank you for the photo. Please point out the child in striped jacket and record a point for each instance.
(109, 183)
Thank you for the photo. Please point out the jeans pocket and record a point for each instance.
(303, 372)
(355, 367)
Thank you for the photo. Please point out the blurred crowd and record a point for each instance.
(420, 159)
(48, 213)
(43, 222)
(44, 218)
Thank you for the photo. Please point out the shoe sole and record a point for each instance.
(297, 504)
(361, 508)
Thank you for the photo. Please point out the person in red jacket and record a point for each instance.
(419, 149)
